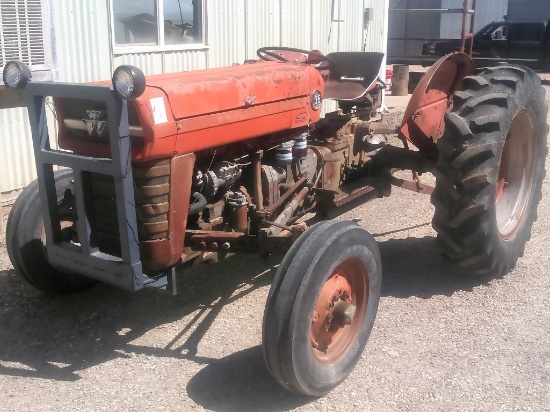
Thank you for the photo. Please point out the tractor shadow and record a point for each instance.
(414, 267)
(57, 337)
(241, 382)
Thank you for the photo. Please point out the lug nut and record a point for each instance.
(226, 246)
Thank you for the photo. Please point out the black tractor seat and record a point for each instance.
(352, 75)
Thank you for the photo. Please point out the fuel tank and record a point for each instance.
(189, 111)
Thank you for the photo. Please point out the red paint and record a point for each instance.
(423, 118)
(209, 108)
(162, 253)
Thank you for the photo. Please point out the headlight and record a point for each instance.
(129, 82)
(16, 75)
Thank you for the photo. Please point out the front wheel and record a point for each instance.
(321, 307)
(490, 169)
(26, 241)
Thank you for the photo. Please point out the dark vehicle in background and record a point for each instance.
(525, 43)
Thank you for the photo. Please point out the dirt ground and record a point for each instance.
(440, 342)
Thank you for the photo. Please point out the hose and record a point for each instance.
(199, 205)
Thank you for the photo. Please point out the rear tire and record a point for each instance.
(490, 170)
(25, 243)
(321, 307)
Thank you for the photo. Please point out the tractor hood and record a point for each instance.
(196, 110)
(204, 92)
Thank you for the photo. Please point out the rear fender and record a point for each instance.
(423, 120)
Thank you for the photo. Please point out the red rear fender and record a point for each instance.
(423, 118)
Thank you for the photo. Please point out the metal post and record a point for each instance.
(472, 21)
(470, 34)
(1, 216)
(463, 30)
(257, 179)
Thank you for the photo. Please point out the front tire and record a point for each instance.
(321, 307)
(490, 170)
(25, 241)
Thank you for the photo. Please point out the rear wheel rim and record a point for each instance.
(516, 175)
(339, 312)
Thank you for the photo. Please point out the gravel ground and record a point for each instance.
(440, 342)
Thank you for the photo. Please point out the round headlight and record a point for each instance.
(16, 74)
(129, 82)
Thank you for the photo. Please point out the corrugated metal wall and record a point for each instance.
(236, 28)
(528, 10)
(82, 46)
(405, 25)
(487, 11)
(81, 53)
(16, 158)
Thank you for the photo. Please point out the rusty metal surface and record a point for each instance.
(463, 34)
(257, 179)
(288, 211)
(152, 190)
(239, 242)
(423, 119)
(287, 194)
(400, 80)
(160, 253)
(332, 168)
(345, 197)
(412, 185)
(240, 218)
(339, 312)
(270, 184)
(379, 127)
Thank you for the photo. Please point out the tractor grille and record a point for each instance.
(86, 119)
(152, 195)
(104, 219)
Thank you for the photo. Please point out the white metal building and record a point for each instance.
(85, 40)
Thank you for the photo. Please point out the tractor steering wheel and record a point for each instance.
(265, 52)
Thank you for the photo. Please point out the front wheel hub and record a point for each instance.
(339, 311)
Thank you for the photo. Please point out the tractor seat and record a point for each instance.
(353, 75)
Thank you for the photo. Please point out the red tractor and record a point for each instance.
(161, 170)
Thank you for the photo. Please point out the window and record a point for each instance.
(21, 33)
(149, 25)
(495, 32)
(526, 32)
(499, 33)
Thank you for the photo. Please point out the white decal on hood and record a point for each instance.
(159, 111)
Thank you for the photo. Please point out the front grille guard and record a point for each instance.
(85, 258)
